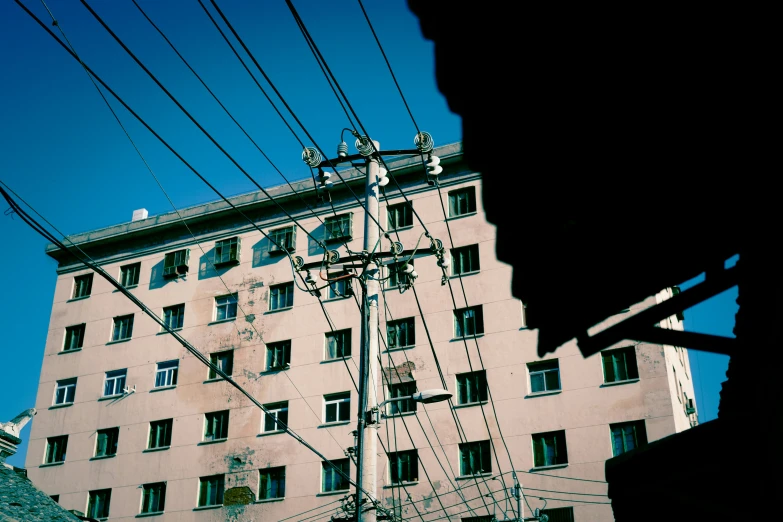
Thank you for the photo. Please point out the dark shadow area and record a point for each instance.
(206, 269)
(262, 255)
(156, 276)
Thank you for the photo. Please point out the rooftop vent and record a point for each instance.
(139, 214)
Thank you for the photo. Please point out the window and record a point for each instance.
(341, 287)
(285, 238)
(216, 425)
(338, 228)
(174, 316)
(472, 387)
(620, 364)
(129, 275)
(271, 483)
(544, 376)
(276, 417)
(160, 434)
(98, 505)
(338, 344)
(227, 252)
(399, 216)
(465, 260)
(114, 383)
(82, 286)
(475, 458)
(564, 514)
(55, 449)
(210, 491)
(462, 201)
(278, 355)
(123, 328)
(627, 436)
(337, 407)
(395, 274)
(403, 466)
(549, 449)
(332, 480)
(403, 389)
(281, 296)
(175, 264)
(166, 374)
(153, 498)
(74, 337)
(65, 391)
(401, 333)
(468, 321)
(224, 361)
(106, 442)
(225, 307)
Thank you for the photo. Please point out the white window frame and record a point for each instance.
(273, 411)
(346, 345)
(170, 373)
(70, 384)
(117, 382)
(277, 348)
(336, 399)
(531, 373)
(180, 316)
(120, 319)
(227, 305)
(274, 299)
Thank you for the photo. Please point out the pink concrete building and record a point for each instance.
(131, 425)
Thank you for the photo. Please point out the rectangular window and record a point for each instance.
(114, 382)
(227, 252)
(401, 333)
(175, 264)
(271, 483)
(332, 479)
(563, 514)
(472, 387)
(55, 449)
(544, 376)
(281, 296)
(153, 498)
(64, 391)
(278, 355)
(338, 344)
(337, 407)
(462, 201)
(468, 321)
(627, 436)
(225, 307)
(339, 288)
(403, 389)
(106, 442)
(160, 434)
(123, 328)
(395, 274)
(403, 466)
(216, 425)
(399, 216)
(224, 361)
(74, 337)
(276, 417)
(475, 458)
(465, 260)
(166, 373)
(338, 228)
(620, 364)
(98, 505)
(82, 286)
(282, 240)
(174, 316)
(549, 449)
(210, 491)
(129, 275)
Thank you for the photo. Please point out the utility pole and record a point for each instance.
(367, 444)
(518, 494)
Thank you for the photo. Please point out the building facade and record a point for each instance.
(130, 423)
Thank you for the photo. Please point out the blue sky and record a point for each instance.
(61, 149)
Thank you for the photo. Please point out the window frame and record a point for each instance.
(338, 289)
(278, 409)
(216, 423)
(395, 466)
(169, 316)
(229, 251)
(277, 351)
(81, 291)
(288, 241)
(393, 273)
(336, 479)
(170, 373)
(458, 261)
(485, 461)
(219, 486)
(56, 449)
(393, 216)
(69, 385)
(460, 323)
(132, 269)
(337, 400)
(345, 343)
(215, 358)
(543, 371)
(455, 203)
(625, 350)
(93, 511)
(393, 333)
(146, 490)
(118, 378)
(111, 444)
(400, 389)
(275, 296)
(558, 441)
(276, 474)
(481, 392)
(639, 435)
(125, 324)
(329, 227)
(168, 424)
(229, 307)
(176, 263)
(72, 332)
